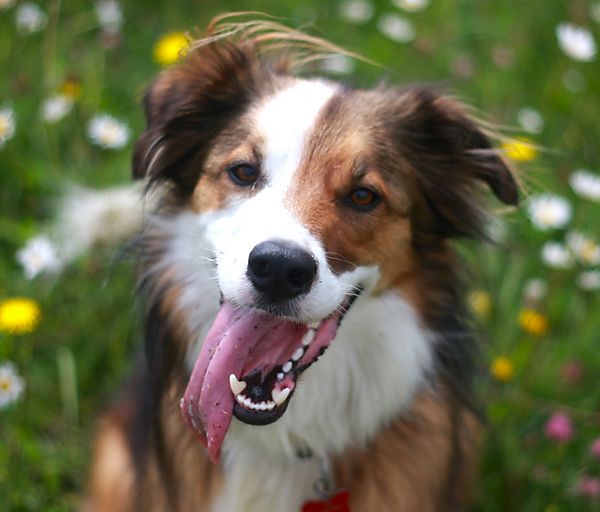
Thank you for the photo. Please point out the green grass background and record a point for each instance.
(74, 361)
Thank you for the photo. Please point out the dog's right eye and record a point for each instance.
(244, 175)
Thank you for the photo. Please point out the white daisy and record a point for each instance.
(411, 5)
(39, 255)
(548, 211)
(556, 255)
(530, 120)
(576, 42)
(396, 28)
(589, 280)
(11, 385)
(584, 248)
(535, 289)
(5, 4)
(7, 125)
(107, 132)
(29, 18)
(55, 108)
(585, 184)
(337, 64)
(110, 15)
(356, 11)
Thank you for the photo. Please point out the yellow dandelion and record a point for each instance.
(170, 48)
(71, 88)
(480, 302)
(19, 316)
(521, 150)
(533, 322)
(502, 369)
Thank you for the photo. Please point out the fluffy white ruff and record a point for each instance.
(366, 378)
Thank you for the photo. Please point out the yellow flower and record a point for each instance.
(71, 88)
(19, 316)
(533, 322)
(480, 302)
(170, 47)
(521, 150)
(502, 369)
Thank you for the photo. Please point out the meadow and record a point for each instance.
(72, 75)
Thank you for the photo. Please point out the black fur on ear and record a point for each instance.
(451, 155)
(190, 104)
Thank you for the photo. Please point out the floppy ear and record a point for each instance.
(188, 105)
(452, 157)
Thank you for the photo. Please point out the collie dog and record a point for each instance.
(306, 346)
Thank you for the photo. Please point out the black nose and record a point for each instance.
(281, 270)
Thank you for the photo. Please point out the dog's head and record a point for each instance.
(309, 194)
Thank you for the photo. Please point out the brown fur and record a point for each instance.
(425, 156)
(436, 445)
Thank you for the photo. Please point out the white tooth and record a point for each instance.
(308, 337)
(287, 367)
(314, 325)
(248, 403)
(280, 396)
(270, 405)
(240, 399)
(280, 376)
(298, 353)
(263, 406)
(236, 385)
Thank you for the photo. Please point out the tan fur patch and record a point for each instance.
(112, 474)
(412, 465)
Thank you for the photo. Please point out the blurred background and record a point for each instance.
(72, 74)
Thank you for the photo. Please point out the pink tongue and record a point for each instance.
(239, 341)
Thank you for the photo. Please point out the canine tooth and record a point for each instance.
(236, 385)
(280, 376)
(308, 337)
(298, 353)
(287, 367)
(314, 325)
(280, 396)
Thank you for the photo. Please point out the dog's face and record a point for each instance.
(309, 196)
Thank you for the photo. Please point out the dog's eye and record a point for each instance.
(244, 175)
(363, 199)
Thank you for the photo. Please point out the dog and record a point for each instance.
(306, 343)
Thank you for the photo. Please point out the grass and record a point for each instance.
(498, 56)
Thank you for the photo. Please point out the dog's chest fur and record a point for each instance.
(379, 360)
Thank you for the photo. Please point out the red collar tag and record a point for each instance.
(337, 503)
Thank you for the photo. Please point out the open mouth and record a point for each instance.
(248, 366)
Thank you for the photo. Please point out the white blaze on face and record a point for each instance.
(284, 124)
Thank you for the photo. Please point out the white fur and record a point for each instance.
(369, 373)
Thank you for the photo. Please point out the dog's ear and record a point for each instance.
(452, 157)
(189, 104)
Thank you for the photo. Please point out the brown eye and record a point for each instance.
(363, 199)
(244, 175)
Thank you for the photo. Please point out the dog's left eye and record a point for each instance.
(244, 175)
(363, 199)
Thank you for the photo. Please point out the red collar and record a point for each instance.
(337, 503)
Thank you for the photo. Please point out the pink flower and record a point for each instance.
(595, 448)
(572, 372)
(559, 428)
(588, 486)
